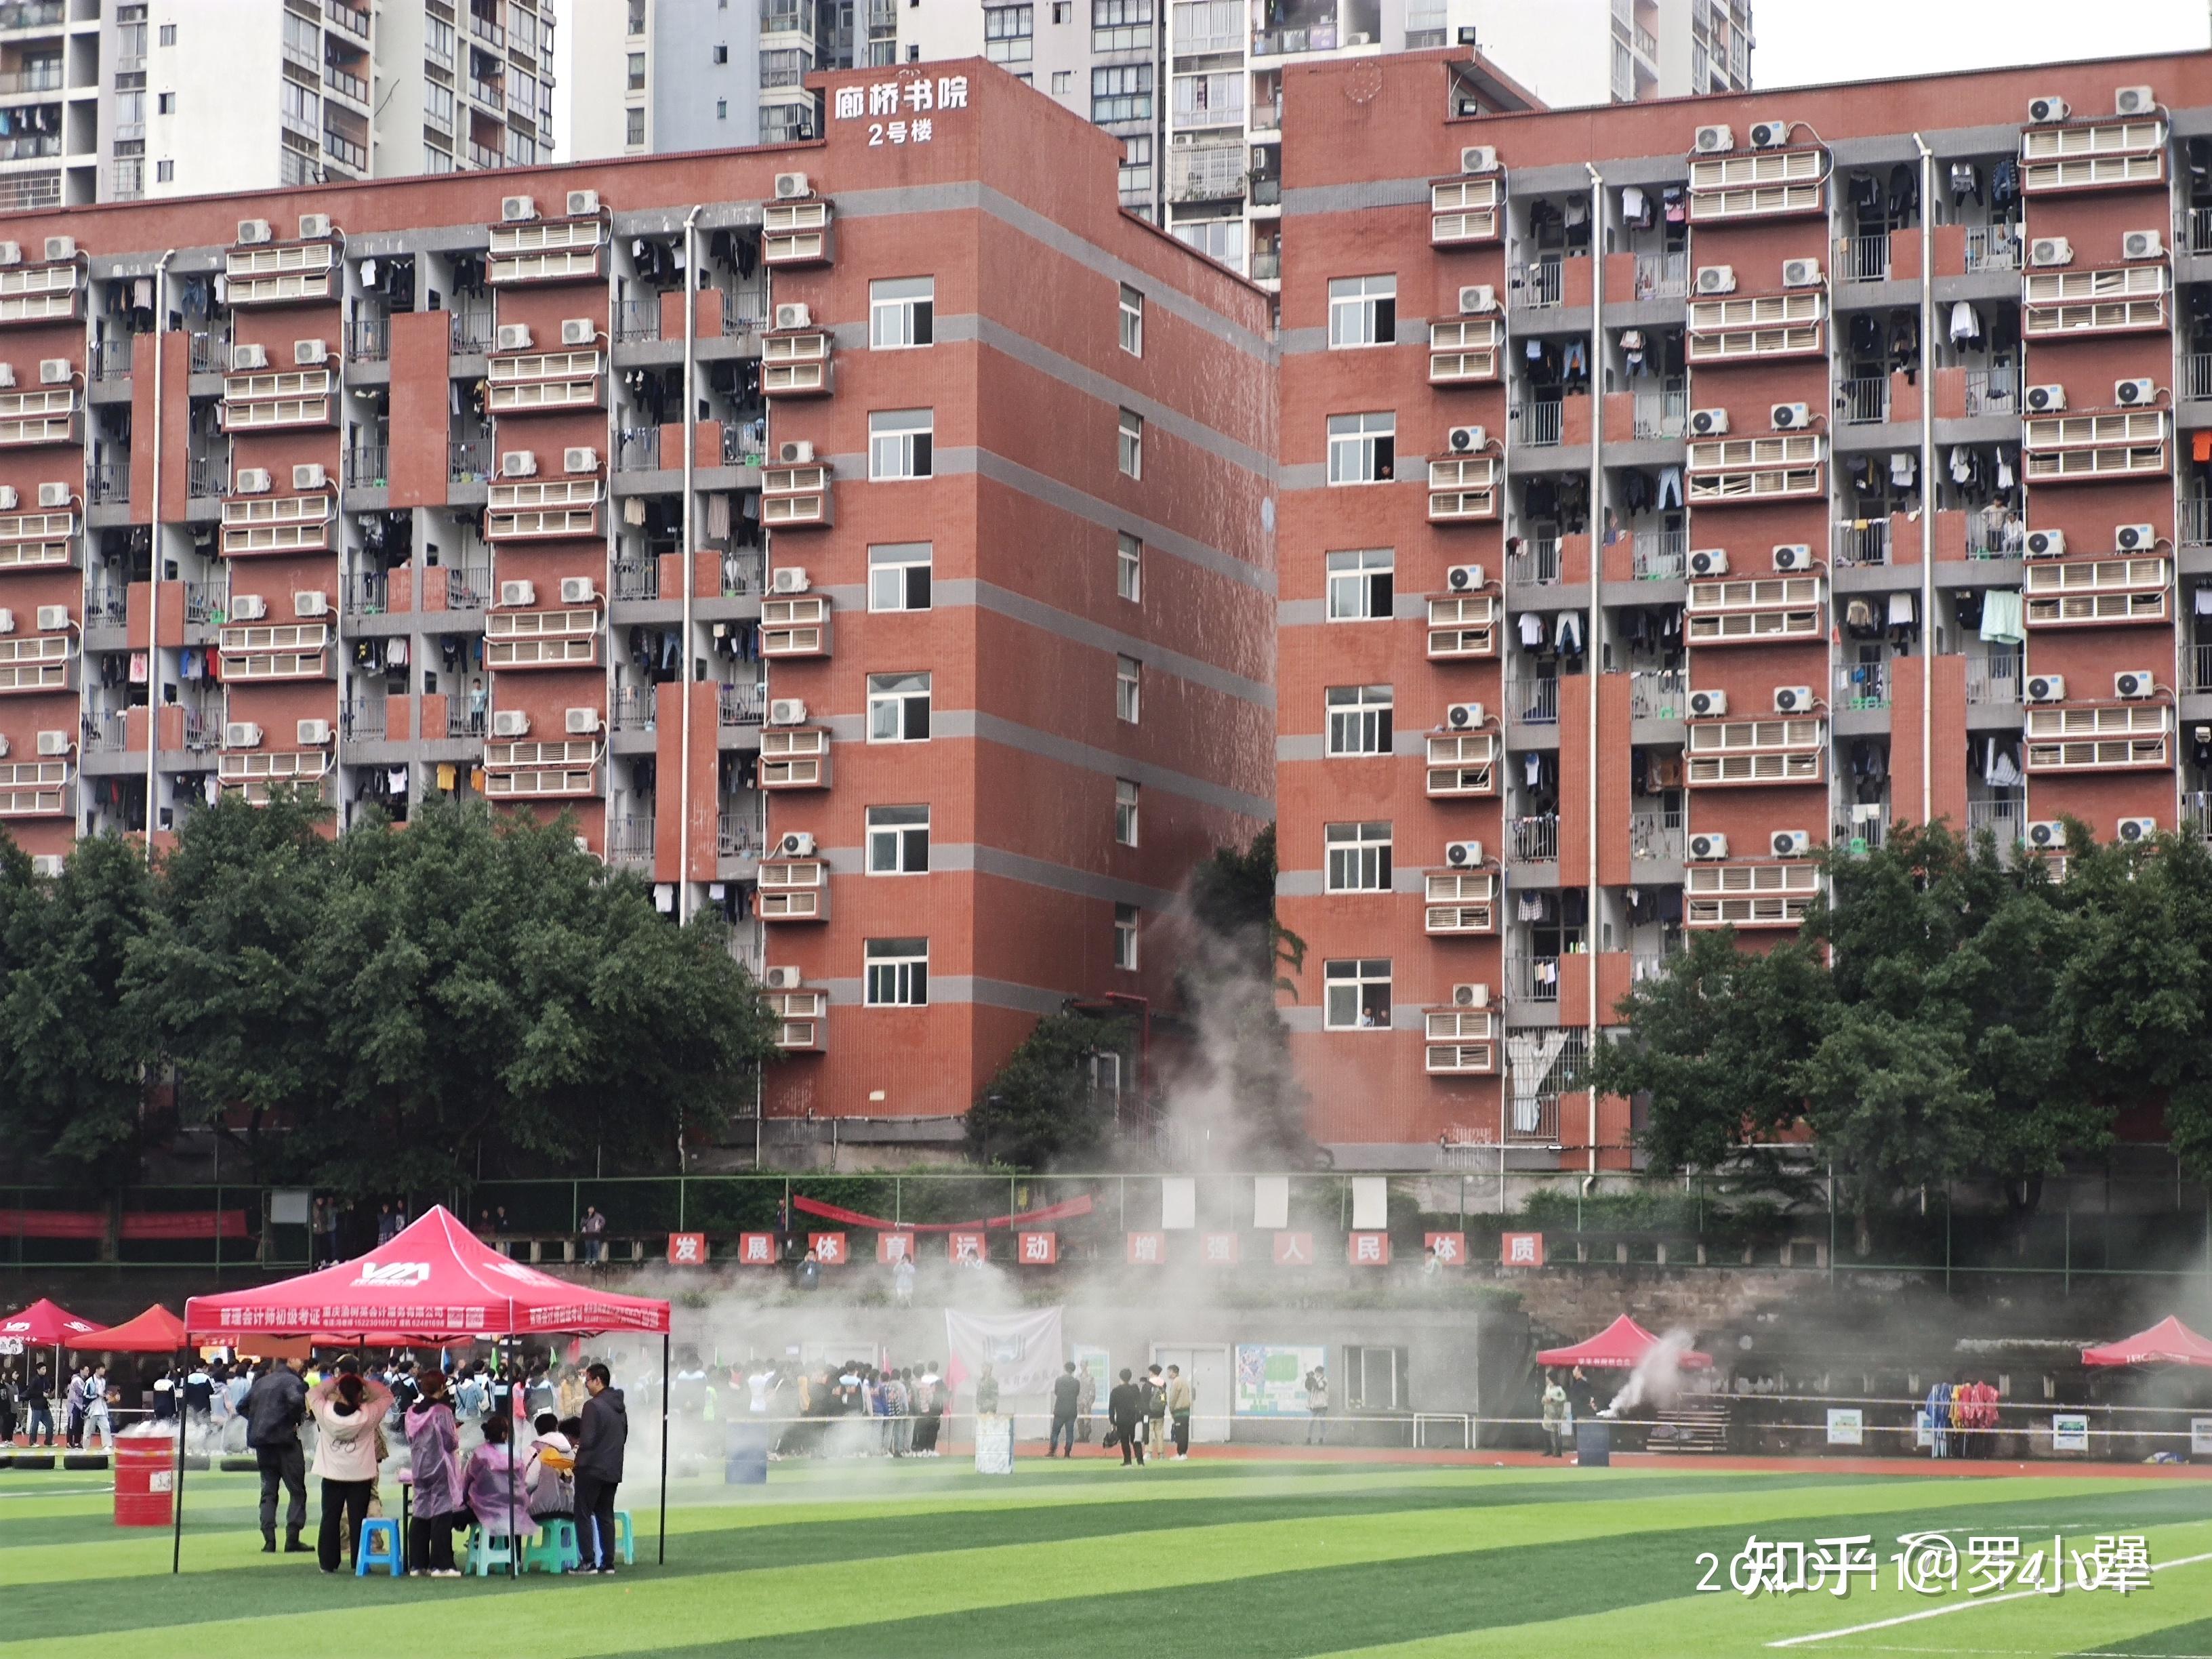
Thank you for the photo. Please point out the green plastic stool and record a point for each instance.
(625, 1539)
(554, 1549)
(487, 1552)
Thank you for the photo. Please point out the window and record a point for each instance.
(169, 34)
(1063, 83)
(784, 124)
(898, 840)
(898, 973)
(165, 173)
(786, 67)
(1362, 585)
(1125, 937)
(1125, 811)
(438, 39)
(1375, 1380)
(1128, 686)
(436, 160)
(293, 100)
(1130, 456)
(1129, 567)
(1356, 995)
(1217, 239)
(1009, 34)
(898, 576)
(1363, 311)
(721, 109)
(438, 105)
(637, 71)
(1362, 448)
(1359, 720)
(1133, 321)
(1059, 10)
(634, 128)
(898, 708)
(722, 54)
(1120, 92)
(1121, 24)
(1358, 857)
(165, 103)
(1136, 170)
(898, 443)
(901, 311)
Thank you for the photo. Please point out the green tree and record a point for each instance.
(1044, 1105)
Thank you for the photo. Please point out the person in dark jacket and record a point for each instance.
(1125, 1409)
(604, 1431)
(1065, 1391)
(274, 1405)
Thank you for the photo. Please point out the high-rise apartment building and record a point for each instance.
(1670, 491)
(1191, 88)
(115, 100)
(864, 539)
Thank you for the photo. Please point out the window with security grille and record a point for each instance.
(1359, 719)
(1358, 857)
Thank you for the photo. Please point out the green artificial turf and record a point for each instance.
(1219, 1559)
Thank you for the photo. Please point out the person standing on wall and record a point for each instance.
(595, 1235)
(1125, 1410)
(1065, 1391)
(1179, 1407)
(274, 1405)
(600, 1468)
(348, 1408)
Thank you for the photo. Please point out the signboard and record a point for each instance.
(1271, 1377)
(1219, 1249)
(965, 1249)
(1148, 1250)
(1521, 1250)
(2069, 1431)
(687, 1250)
(894, 1247)
(757, 1249)
(902, 112)
(1294, 1250)
(1846, 1426)
(1446, 1249)
(1367, 1249)
(1039, 1249)
(827, 1247)
(1096, 1364)
(11, 1345)
(2200, 1437)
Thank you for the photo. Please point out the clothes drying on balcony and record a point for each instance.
(1966, 181)
(2003, 617)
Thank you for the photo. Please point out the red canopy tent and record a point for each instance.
(43, 1325)
(1620, 1347)
(155, 1331)
(434, 1281)
(2169, 1342)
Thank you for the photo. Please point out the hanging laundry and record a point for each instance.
(1670, 485)
(1901, 611)
(1903, 467)
(1965, 323)
(138, 668)
(1532, 629)
(2002, 618)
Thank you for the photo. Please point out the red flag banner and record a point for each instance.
(1073, 1207)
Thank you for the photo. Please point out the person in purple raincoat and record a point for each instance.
(498, 1495)
(433, 1440)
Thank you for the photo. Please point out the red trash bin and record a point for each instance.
(145, 1480)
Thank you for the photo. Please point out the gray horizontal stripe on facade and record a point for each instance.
(946, 461)
(1301, 475)
(1022, 609)
(1309, 613)
(1351, 198)
(949, 198)
(1307, 746)
(968, 856)
(1157, 536)
(1402, 1018)
(945, 328)
(961, 988)
(1412, 334)
(1309, 883)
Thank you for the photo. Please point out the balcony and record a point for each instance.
(637, 449)
(345, 83)
(1536, 561)
(1657, 694)
(108, 483)
(1661, 275)
(1863, 258)
(637, 578)
(1656, 836)
(1862, 685)
(637, 319)
(472, 330)
(1863, 402)
(1988, 395)
(464, 721)
(629, 840)
(346, 151)
(1661, 414)
(1533, 700)
(1993, 681)
(365, 467)
(30, 14)
(1540, 284)
(1541, 422)
(738, 835)
(353, 19)
(1862, 541)
(368, 593)
(368, 340)
(1532, 979)
(742, 705)
(2004, 816)
(1534, 840)
(1992, 247)
(634, 707)
(2200, 230)
(469, 460)
(1659, 555)
(44, 77)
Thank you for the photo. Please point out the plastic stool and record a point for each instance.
(554, 1549)
(625, 1540)
(487, 1552)
(379, 1548)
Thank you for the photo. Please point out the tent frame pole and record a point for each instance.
(663, 1540)
(177, 1507)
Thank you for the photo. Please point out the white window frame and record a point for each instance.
(1126, 928)
(901, 313)
(1347, 993)
(892, 701)
(1357, 446)
(898, 840)
(1132, 320)
(900, 575)
(1129, 567)
(1128, 798)
(894, 973)
(1357, 856)
(1362, 584)
(1357, 317)
(1129, 444)
(900, 444)
(1361, 719)
(1128, 689)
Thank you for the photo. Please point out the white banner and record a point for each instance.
(1023, 1351)
(2200, 1437)
(1846, 1426)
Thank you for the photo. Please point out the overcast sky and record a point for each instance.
(1806, 42)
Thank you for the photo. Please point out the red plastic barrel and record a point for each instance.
(145, 1480)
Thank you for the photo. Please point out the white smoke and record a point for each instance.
(1657, 1379)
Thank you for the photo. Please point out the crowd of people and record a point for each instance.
(852, 1410)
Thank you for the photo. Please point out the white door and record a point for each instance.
(1206, 1365)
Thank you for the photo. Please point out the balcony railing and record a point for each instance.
(111, 359)
(1658, 694)
(637, 319)
(1533, 700)
(2196, 812)
(2004, 816)
(2200, 230)
(368, 340)
(637, 449)
(466, 585)
(1994, 679)
(629, 841)
(743, 313)
(210, 353)
(1984, 398)
(637, 579)
(1535, 840)
(343, 148)
(2196, 375)
(1662, 276)
(108, 483)
(31, 15)
(1535, 561)
(468, 460)
(1862, 685)
(105, 733)
(107, 601)
(1863, 403)
(1864, 258)
(739, 835)
(2193, 526)
(743, 571)
(1664, 413)
(1532, 979)
(743, 704)
(1992, 247)
(46, 77)
(1862, 541)
(355, 18)
(1542, 423)
(367, 594)
(2000, 535)
(472, 331)
(363, 720)
(464, 720)
(365, 467)
(1660, 555)
(634, 707)
(2196, 665)
(1655, 834)
(1541, 283)
(344, 80)
(205, 601)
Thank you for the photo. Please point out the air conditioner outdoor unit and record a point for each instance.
(7, 622)
(1477, 298)
(312, 603)
(312, 734)
(582, 722)
(1471, 996)
(251, 231)
(1465, 578)
(53, 743)
(790, 186)
(577, 590)
(2046, 400)
(2046, 687)
(254, 481)
(786, 711)
(249, 356)
(519, 463)
(248, 607)
(512, 208)
(579, 460)
(583, 203)
(789, 579)
(2133, 392)
(514, 594)
(796, 452)
(1793, 699)
(2142, 244)
(1800, 273)
(1770, 134)
(9, 498)
(2050, 251)
(1715, 279)
(2046, 832)
(2134, 101)
(1789, 418)
(7, 374)
(55, 371)
(512, 337)
(2046, 544)
(2136, 830)
(578, 331)
(2041, 111)
(793, 316)
(1707, 846)
(310, 354)
(52, 618)
(1479, 158)
(782, 979)
(1709, 422)
(1466, 440)
(1714, 141)
(309, 475)
(47, 864)
(1791, 843)
(1707, 705)
(509, 723)
(1463, 854)
(314, 227)
(53, 495)
(795, 844)
(241, 734)
(1794, 556)
(2135, 537)
(2134, 683)
(60, 249)
(11, 253)
(1464, 716)
(1708, 562)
